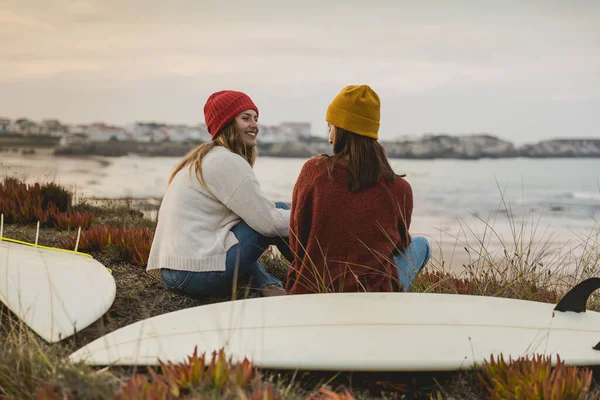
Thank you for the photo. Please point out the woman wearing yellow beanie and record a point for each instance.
(351, 214)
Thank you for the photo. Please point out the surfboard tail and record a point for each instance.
(576, 299)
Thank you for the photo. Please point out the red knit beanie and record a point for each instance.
(222, 107)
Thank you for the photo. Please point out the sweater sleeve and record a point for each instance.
(232, 181)
(301, 217)
(300, 222)
(405, 204)
(260, 213)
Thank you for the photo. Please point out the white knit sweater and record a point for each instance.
(194, 225)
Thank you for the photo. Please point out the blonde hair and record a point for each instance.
(229, 138)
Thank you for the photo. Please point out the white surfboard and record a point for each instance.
(55, 293)
(358, 331)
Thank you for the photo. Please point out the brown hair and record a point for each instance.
(367, 160)
(229, 138)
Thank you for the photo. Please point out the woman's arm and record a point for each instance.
(300, 224)
(405, 207)
(301, 216)
(232, 181)
(260, 213)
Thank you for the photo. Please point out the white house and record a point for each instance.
(156, 132)
(144, 131)
(24, 126)
(52, 127)
(100, 132)
(270, 134)
(5, 126)
(78, 128)
(182, 133)
(293, 131)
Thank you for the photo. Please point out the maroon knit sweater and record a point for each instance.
(343, 241)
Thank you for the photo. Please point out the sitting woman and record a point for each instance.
(214, 221)
(351, 214)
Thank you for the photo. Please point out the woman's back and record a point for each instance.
(194, 223)
(343, 240)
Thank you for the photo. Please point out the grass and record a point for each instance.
(529, 265)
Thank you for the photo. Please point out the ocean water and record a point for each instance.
(562, 194)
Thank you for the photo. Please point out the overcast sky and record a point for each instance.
(521, 72)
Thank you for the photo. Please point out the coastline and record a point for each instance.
(427, 147)
(448, 234)
(456, 246)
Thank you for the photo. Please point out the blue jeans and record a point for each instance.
(412, 260)
(242, 257)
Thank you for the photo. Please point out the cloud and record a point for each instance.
(11, 23)
(120, 59)
(42, 69)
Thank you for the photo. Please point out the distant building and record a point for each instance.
(52, 127)
(293, 131)
(79, 128)
(96, 132)
(100, 132)
(286, 132)
(157, 132)
(183, 133)
(147, 132)
(24, 126)
(270, 134)
(5, 126)
(150, 132)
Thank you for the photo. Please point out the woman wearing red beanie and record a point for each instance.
(214, 221)
(351, 213)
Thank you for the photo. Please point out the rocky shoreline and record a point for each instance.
(468, 147)
(485, 146)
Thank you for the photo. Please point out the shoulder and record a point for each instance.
(401, 185)
(221, 154)
(401, 181)
(312, 173)
(314, 166)
(316, 162)
(221, 159)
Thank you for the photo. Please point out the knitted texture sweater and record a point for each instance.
(194, 225)
(344, 241)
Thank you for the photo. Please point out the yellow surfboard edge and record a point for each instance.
(4, 239)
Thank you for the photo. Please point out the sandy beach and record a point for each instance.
(456, 244)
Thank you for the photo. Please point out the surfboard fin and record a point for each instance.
(576, 299)
(596, 347)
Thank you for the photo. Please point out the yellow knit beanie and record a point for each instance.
(356, 109)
